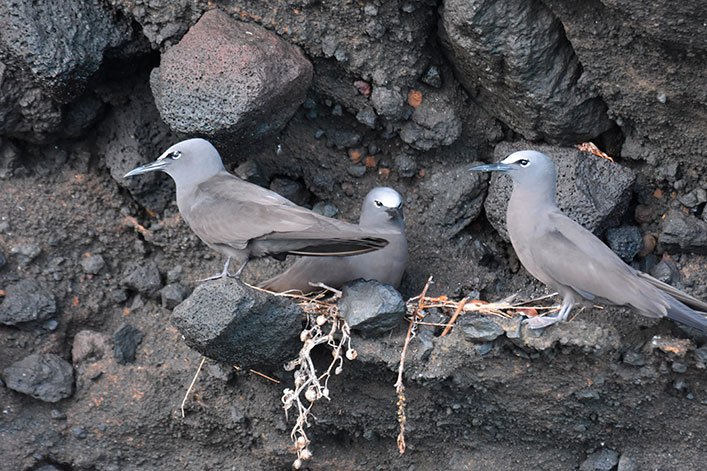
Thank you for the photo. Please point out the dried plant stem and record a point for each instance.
(193, 381)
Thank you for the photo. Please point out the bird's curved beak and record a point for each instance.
(497, 167)
(151, 167)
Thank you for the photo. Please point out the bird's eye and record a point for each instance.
(175, 155)
(523, 162)
(379, 204)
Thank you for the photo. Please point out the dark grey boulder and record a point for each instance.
(229, 322)
(44, 376)
(592, 191)
(456, 198)
(371, 308)
(228, 80)
(26, 301)
(125, 342)
(142, 277)
(513, 57)
(683, 233)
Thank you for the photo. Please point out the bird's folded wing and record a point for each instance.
(233, 212)
(574, 257)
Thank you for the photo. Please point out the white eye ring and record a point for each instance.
(524, 162)
(175, 155)
(378, 203)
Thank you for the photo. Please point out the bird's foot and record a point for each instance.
(224, 273)
(540, 322)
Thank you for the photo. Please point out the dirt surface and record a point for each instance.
(609, 390)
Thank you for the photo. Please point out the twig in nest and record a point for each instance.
(262, 375)
(196, 375)
(399, 386)
(453, 319)
(324, 326)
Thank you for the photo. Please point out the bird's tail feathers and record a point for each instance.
(681, 296)
(678, 311)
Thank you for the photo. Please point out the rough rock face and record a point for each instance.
(26, 301)
(579, 194)
(48, 52)
(661, 109)
(237, 80)
(232, 323)
(514, 58)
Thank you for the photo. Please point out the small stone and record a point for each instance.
(220, 371)
(175, 274)
(625, 241)
(118, 296)
(356, 170)
(325, 209)
(337, 110)
(79, 432)
(173, 294)
(251, 172)
(602, 460)
(480, 329)
(319, 133)
(3, 260)
(370, 10)
(679, 367)
(143, 277)
(664, 271)
(56, 414)
(627, 463)
(432, 77)
(51, 325)
(643, 214)
(26, 252)
(88, 346)
(367, 116)
(387, 102)
(44, 376)
(293, 190)
(92, 264)
(683, 232)
(649, 243)
(343, 139)
(363, 87)
(694, 198)
(370, 307)
(701, 354)
(26, 301)
(405, 165)
(587, 395)
(634, 358)
(125, 342)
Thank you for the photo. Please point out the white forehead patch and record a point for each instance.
(389, 197)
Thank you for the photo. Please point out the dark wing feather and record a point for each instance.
(681, 296)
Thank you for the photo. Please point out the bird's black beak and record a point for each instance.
(395, 213)
(151, 167)
(497, 167)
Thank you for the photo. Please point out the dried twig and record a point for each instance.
(196, 375)
(453, 319)
(263, 375)
(399, 386)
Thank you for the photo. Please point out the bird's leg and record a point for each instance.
(224, 273)
(240, 269)
(540, 322)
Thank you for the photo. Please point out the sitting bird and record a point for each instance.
(571, 260)
(382, 215)
(242, 220)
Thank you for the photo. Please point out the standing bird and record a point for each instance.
(570, 259)
(382, 215)
(242, 220)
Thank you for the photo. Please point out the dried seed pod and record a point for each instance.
(297, 464)
(351, 354)
(304, 335)
(338, 370)
(305, 454)
(311, 394)
(321, 320)
(300, 443)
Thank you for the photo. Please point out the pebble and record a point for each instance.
(325, 209)
(142, 277)
(603, 460)
(634, 358)
(432, 77)
(3, 260)
(26, 252)
(625, 241)
(356, 170)
(173, 294)
(480, 329)
(79, 432)
(125, 342)
(92, 264)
